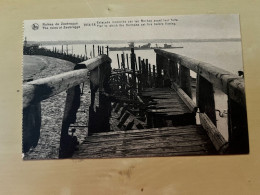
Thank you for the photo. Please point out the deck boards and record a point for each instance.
(166, 108)
(166, 141)
(163, 100)
(181, 137)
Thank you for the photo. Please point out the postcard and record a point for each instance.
(147, 86)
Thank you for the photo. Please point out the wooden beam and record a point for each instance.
(41, 89)
(186, 99)
(215, 136)
(220, 78)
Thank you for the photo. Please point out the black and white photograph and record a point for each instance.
(124, 87)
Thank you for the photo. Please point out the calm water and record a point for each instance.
(225, 55)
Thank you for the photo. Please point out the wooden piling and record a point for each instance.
(107, 50)
(174, 68)
(136, 66)
(185, 80)
(118, 61)
(159, 79)
(127, 61)
(154, 76)
(140, 64)
(237, 128)
(123, 61)
(204, 97)
(149, 75)
(67, 142)
(133, 59)
(93, 51)
(31, 126)
(86, 51)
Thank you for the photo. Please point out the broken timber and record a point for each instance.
(145, 110)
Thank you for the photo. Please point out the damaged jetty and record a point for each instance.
(139, 109)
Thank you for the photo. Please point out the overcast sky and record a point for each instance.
(187, 27)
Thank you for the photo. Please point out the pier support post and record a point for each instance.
(185, 80)
(237, 128)
(173, 71)
(127, 62)
(68, 142)
(159, 79)
(150, 75)
(205, 98)
(133, 60)
(124, 77)
(154, 76)
(99, 119)
(31, 126)
(93, 51)
(118, 61)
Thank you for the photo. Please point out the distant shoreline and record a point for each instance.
(75, 42)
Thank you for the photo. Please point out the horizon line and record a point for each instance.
(137, 41)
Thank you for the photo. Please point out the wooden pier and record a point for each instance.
(143, 110)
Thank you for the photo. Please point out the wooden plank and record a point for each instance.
(186, 99)
(93, 63)
(147, 142)
(171, 104)
(138, 148)
(177, 110)
(149, 93)
(181, 128)
(174, 137)
(154, 89)
(122, 155)
(44, 88)
(158, 96)
(215, 136)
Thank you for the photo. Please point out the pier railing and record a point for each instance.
(176, 68)
(36, 91)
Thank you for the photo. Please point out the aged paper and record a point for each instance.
(169, 175)
(152, 86)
